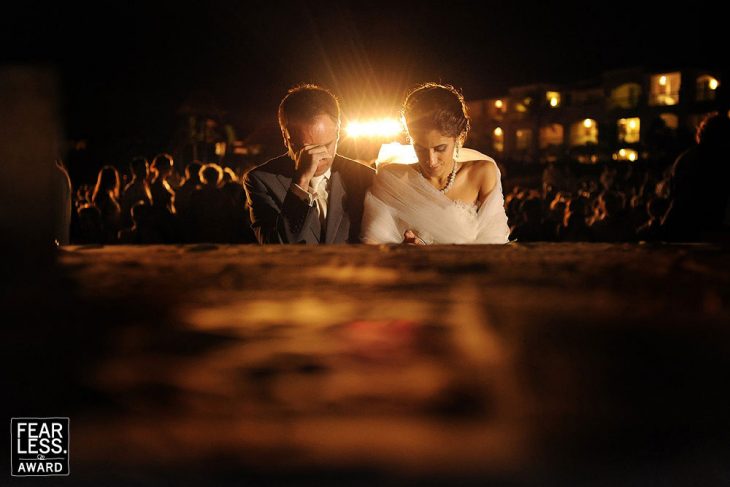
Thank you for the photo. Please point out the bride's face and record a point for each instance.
(435, 151)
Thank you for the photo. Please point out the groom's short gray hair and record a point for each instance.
(306, 101)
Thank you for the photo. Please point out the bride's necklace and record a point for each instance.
(449, 182)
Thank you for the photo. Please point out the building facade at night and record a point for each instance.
(627, 114)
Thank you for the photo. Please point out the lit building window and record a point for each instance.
(707, 88)
(496, 108)
(629, 130)
(553, 98)
(524, 105)
(665, 89)
(498, 139)
(670, 120)
(551, 135)
(584, 132)
(625, 155)
(524, 138)
(626, 95)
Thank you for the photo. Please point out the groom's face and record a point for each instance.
(320, 130)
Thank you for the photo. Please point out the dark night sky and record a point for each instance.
(126, 67)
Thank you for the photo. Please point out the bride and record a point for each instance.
(452, 195)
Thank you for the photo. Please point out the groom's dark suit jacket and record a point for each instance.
(278, 215)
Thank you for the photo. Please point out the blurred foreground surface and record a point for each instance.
(550, 364)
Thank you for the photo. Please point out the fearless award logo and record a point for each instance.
(40, 447)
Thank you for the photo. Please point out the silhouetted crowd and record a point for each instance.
(625, 204)
(628, 202)
(156, 205)
(688, 201)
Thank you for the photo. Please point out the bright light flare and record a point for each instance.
(380, 128)
(396, 153)
(714, 84)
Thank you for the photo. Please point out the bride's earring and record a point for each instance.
(456, 153)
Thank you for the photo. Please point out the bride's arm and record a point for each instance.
(486, 177)
(492, 222)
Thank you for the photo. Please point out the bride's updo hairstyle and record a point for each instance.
(433, 106)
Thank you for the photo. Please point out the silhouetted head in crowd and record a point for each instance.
(636, 201)
(611, 203)
(162, 165)
(657, 207)
(608, 176)
(577, 206)
(229, 175)
(107, 183)
(310, 115)
(548, 192)
(211, 175)
(192, 172)
(141, 213)
(90, 224)
(140, 168)
(558, 204)
(713, 130)
(83, 195)
(532, 210)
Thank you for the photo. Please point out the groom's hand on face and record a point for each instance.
(307, 161)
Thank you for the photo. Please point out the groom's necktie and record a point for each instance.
(319, 186)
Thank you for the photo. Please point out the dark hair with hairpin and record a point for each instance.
(439, 107)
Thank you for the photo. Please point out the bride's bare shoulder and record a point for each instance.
(484, 172)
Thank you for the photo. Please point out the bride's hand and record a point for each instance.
(410, 238)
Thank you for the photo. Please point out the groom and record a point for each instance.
(310, 194)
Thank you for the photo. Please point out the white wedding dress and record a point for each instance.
(401, 199)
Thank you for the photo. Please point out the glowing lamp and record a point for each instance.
(380, 128)
(396, 153)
